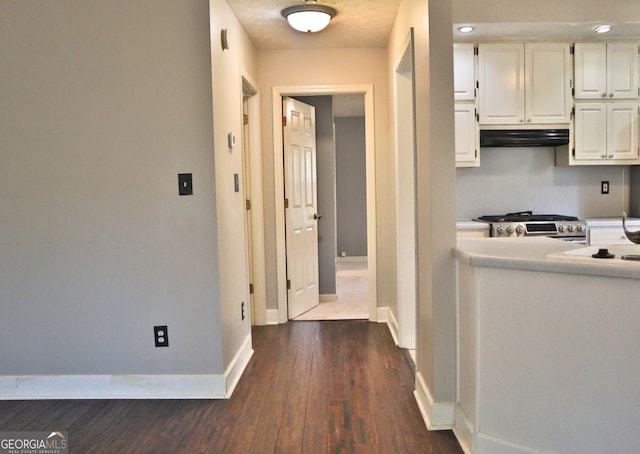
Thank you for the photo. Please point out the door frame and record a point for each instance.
(254, 142)
(406, 180)
(278, 168)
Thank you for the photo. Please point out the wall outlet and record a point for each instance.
(161, 336)
(604, 187)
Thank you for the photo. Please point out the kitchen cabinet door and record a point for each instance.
(591, 131)
(501, 83)
(524, 83)
(548, 83)
(606, 132)
(467, 135)
(606, 70)
(622, 70)
(622, 130)
(464, 73)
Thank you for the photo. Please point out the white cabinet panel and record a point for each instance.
(464, 73)
(467, 135)
(606, 70)
(606, 132)
(524, 83)
(501, 79)
(548, 83)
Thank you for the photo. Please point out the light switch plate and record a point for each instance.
(185, 184)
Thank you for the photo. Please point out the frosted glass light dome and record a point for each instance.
(309, 18)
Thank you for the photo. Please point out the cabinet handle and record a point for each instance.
(604, 156)
(610, 156)
(604, 95)
(610, 95)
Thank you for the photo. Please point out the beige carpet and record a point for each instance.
(351, 289)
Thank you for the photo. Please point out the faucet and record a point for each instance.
(632, 236)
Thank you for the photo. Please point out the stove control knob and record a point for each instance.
(561, 228)
(500, 230)
(510, 230)
(520, 230)
(580, 228)
(571, 228)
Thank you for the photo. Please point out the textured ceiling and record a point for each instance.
(358, 24)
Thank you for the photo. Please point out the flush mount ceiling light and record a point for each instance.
(465, 29)
(603, 29)
(309, 17)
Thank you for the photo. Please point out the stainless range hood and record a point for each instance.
(523, 137)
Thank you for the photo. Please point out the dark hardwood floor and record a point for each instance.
(311, 387)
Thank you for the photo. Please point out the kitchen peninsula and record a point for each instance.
(548, 347)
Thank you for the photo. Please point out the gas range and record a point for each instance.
(525, 223)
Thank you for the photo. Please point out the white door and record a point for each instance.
(301, 215)
(622, 130)
(591, 130)
(466, 143)
(622, 70)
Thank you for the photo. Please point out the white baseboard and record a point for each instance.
(205, 386)
(385, 315)
(238, 365)
(463, 430)
(354, 258)
(436, 415)
(325, 297)
(272, 317)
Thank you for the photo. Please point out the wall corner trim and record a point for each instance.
(436, 415)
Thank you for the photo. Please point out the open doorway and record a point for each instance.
(367, 92)
(342, 230)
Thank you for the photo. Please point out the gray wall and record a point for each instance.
(103, 104)
(516, 179)
(351, 186)
(634, 192)
(326, 165)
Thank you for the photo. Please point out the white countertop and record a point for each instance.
(611, 222)
(544, 254)
(468, 224)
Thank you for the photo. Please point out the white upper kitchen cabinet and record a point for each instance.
(464, 73)
(524, 83)
(606, 70)
(606, 133)
(467, 135)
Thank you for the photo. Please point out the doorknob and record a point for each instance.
(316, 216)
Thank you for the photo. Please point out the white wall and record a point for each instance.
(103, 104)
(228, 67)
(331, 67)
(435, 199)
(518, 179)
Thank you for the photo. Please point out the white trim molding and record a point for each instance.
(273, 317)
(277, 92)
(436, 415)
(203, 386)
(385, 315)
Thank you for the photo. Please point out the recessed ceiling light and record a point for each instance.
(465, 29)
(603, 29)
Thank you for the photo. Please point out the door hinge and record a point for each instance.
(288, 284)
(572, 50)
(245, 119)
(573, 152)
(286, 203)
(475, 50)
(476, 154)
(250, 289)
(248, 204)
(284, 121)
